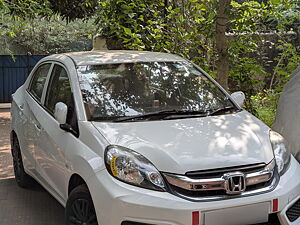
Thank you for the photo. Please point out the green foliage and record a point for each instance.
(246, 71)
(71, 10)
(34, 26)
(287, 61)
(253, 23)
(133, 22)
(67, 9)
(13, 14)
(154, 26)
(248, 16)
(25, 8)
(244, 76)
(265, 104)
(186, 27)
(42, 36)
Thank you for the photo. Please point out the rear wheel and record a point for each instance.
(22, 178)
(80, 208)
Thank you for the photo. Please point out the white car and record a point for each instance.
(144, 138)
(287, 120)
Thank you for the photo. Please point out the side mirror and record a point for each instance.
(60, 112)
(238, 97)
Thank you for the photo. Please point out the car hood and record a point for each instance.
(182, 145)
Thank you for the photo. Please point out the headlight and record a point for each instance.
(131, 167)
(281, 152)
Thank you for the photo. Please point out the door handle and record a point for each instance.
(21, 107)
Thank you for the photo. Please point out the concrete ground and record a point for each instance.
(33, 206)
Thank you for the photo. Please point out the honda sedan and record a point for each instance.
(145, 138)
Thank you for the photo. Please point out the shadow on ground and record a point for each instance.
(34, 206)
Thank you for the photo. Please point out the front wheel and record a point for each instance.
(80, 208)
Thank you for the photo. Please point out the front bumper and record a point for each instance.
(116, 202)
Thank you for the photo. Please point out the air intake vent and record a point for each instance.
(293, 213)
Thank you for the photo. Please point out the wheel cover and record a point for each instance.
(82, 213)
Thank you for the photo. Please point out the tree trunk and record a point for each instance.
(222, 43)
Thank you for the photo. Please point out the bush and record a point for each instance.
(265, 104)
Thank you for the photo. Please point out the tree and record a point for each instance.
(68, 9)
(225, 37)
(222, 43)
(74, 9)
(25, 22)
(50, 36)
(24, 8)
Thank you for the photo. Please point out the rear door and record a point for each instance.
(53, 141)
(30, 110)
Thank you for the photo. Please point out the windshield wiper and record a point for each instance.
(163, 113)
(223, 110)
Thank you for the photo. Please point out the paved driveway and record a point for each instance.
(22, 206)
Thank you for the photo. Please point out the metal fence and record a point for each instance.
(13, 73)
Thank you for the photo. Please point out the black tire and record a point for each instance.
(80, 208)
(22, 178)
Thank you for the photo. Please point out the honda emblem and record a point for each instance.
(235, 183)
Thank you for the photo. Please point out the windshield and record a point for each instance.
(112, 91)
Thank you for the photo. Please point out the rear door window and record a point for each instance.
(38, 81)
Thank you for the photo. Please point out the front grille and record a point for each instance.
(215, 193)
(293, 213)
(213, 184)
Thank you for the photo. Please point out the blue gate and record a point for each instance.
(14, 73)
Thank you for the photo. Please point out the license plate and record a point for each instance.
(243, 215)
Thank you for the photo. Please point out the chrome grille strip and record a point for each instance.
(218, 183)
(259, 177)
(225, 170)
(195, 184)
(269, 188)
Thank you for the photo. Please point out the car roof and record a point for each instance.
(118, 56)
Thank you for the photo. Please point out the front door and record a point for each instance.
(54, 142)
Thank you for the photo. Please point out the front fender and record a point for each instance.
(85, 156)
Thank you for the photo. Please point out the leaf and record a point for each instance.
(141, 18)
(275, 2)
(150, 22)
(131, 15)
(12, 34)
(177, 10)
(156, 31)
(127, 31)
